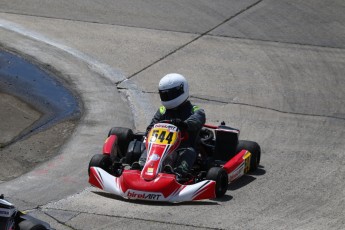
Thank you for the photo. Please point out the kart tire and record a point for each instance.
(220, 176)
(29, 225)
(102, 161)
(135, 148)
(124, 135)
(254, 149)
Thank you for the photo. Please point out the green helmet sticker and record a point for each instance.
(195, 108)
(162, 110)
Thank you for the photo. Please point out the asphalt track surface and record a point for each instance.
(274, 69)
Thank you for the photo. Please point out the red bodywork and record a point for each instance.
(164, 188)
(110, 145)
(151, 183)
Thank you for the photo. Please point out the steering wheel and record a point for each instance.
(170, 122)
(184, 133)
(165, 121)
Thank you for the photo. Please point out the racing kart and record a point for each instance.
(13, 219)
(222, 158)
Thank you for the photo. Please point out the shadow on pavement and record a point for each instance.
(247, 179)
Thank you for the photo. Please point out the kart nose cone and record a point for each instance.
(164, 183)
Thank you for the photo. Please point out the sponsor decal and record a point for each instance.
(154, 157)
(172, 128)
(132, 194)
(238, 172)
(234, 176)
(150, 171)
(6, 212)
(167, 126)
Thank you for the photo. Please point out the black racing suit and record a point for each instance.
(195, 118)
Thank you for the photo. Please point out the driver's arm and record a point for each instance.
(196, 121)
(156, 118)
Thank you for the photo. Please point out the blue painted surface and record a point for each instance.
(39, 89)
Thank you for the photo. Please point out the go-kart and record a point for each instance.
(222, 159)
(13, 219)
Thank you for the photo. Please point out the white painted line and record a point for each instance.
(105, 70)
(139, 103)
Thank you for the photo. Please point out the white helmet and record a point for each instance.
(173, 90)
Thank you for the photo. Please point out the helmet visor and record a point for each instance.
(171, 94)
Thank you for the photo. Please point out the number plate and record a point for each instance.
(163, 136)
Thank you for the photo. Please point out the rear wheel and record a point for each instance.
(220, 176)
(254, 149)
(124, 135)
(101, 161)
(29, 225)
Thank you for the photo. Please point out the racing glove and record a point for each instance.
(180, 124)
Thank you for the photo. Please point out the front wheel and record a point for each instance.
(254, 149)
(28, 225)
(102, 161)
(221, 177)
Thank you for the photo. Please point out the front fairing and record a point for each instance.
(162, 141)
(164, 187)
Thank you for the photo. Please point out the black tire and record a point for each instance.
(220, 176)
(254, 149)
(29, 225)
(124, 135)
(102, 161)
(135, 148)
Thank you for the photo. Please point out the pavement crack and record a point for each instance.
(60, 222)
(40, 208)
(96, 22)
(267, 108)
(277, 42)
(135, 218)
(233, 16)
(195, 39)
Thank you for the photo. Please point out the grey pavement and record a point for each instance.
(180, 15)
(18, 112)
(274, 69)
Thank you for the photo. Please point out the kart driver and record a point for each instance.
(174, 92)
